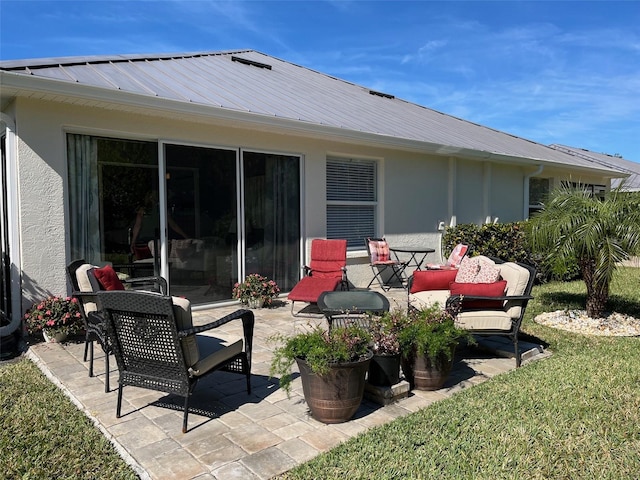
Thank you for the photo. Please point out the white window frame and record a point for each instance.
(536, 205)
(368, 189)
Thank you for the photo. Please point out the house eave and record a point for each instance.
(16, 85)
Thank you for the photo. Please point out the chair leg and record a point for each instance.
(377, 275)
(516, 350)
(106, 372)
(244, 360)
(86, 347)
(119, 404)
(397, 271)
(91, 359)
(186, 414)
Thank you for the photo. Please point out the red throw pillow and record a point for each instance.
(424, 280)
(108, 278)
(495, 289)
(141, 252)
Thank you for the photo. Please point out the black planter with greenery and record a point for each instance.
(333, 366)
(384, 369)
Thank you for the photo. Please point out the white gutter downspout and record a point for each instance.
(13, 235)
(525, 211)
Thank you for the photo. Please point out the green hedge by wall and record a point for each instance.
(507, 241)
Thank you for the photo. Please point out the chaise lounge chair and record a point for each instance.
(326, 271)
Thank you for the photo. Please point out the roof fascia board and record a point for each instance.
(21, 83)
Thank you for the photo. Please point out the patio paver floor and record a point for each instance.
(231, 434)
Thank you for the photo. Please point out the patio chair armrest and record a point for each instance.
(248, 322)
(158, 282)
(84, 296)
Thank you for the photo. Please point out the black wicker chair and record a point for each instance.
(85, 285)
(157, 348)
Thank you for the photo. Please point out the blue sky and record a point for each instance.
(550, 71)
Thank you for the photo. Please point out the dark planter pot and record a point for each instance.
(384, 370)
(336, 396)
(423, 373)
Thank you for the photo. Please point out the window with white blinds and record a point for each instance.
(352, 200)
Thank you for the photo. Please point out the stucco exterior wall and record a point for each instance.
(41, 180)
(506, 193)
(416, 191)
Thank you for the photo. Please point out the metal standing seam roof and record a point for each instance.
(631, 183)
(253, 83)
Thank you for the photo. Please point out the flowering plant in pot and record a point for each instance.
(333, 365)
(428, 341)
(256, 288)
(54, 316)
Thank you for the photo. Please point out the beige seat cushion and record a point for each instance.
(184, 321)
(517, 278)
(84, 284)
(484, 320)
(201, 352)
(214, 351)
(428, 298)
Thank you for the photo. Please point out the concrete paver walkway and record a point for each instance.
(232, 434)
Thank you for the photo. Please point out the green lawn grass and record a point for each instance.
(574, 415)
(44, 436)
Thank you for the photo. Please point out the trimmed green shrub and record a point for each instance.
(507, 241)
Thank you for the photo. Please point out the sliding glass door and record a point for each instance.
(202, 220)
(202, 217)
(272, 217)
(209, 250)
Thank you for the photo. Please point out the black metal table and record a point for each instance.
(351, 305)
(414, 255)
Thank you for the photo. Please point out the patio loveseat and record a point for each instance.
(490, 296)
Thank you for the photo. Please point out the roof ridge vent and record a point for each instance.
(381, 94)
(250, 62)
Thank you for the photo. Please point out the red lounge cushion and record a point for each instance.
(424, 280)
(309, 288)
(108, 278)
(495, 289)
(328, 257)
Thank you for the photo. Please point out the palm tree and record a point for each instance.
(598, 234)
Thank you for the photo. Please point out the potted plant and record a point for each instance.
(332, 364)
(256, 291)
(56, 317)
(428, 341)
(384, 369)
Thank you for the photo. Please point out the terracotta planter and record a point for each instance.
(423, 373)
(336, 396)
(384, 370)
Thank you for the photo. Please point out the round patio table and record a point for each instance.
(351, 305)
(417, 255)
